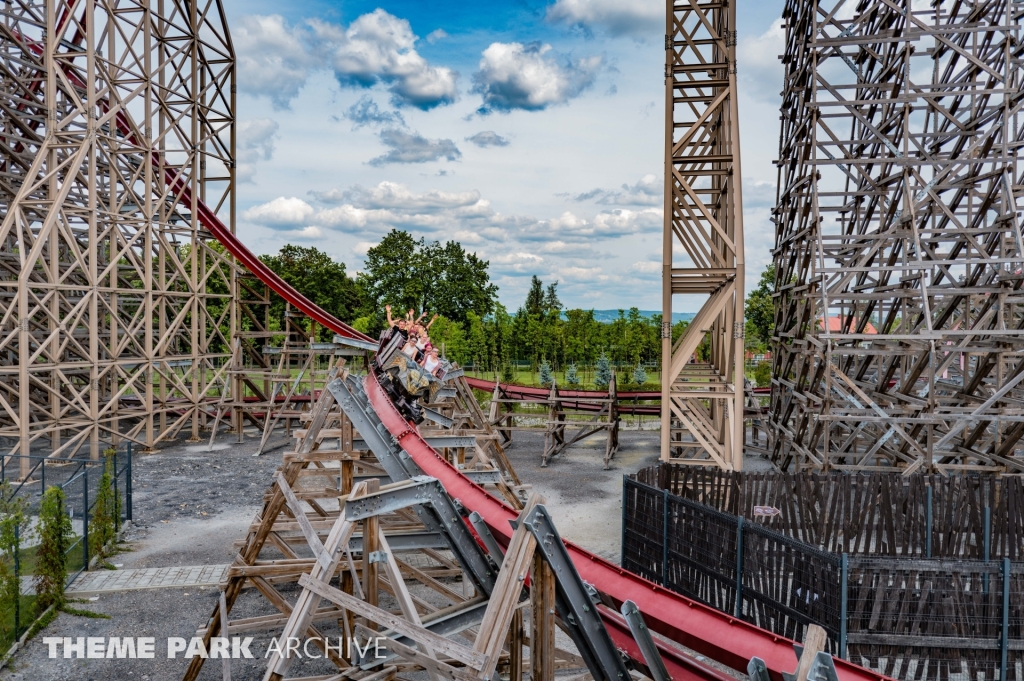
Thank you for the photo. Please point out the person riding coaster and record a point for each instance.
(403, 378)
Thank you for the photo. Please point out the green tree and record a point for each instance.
(508, 373)
(477, 349)
(763, 374)
(441, 278)
(603, 372)
(535, 298)
(106, 512)
(448, 336)
(639, 375)
(317, 276)
(55, 535)
(571, 376)
(546, 377)
(759, 311)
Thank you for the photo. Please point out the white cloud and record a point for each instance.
(398, 196)
(488, 138)
(307, 233)
(648, 191)
(646, 269)
(582, 274)
(272, 59)
(436, 34)
(380, 48)
(363, 247)
(376, 210)
(255, 142)
(759, 69)
(519, 262)
(606, 225)
(411, 147)
(531, 77)
(641, 18)
(280, 213)
(275, 59)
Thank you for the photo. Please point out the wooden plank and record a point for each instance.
(300, 517)
(542, 624)
(431, 665)
(440, 644)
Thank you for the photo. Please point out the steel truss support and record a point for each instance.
(702, 246)
(899, 327)
(115, 305)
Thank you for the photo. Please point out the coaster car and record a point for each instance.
(404, 379)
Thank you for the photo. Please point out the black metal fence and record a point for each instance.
(910, 618)
(80, 480)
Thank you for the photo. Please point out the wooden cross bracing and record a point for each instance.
(702, 242)
(388, 554)
(115, 305)
(602, 416)
(899, 323)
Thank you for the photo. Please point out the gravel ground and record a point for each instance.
(190, 505)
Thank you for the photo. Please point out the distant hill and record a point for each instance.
(609, 316)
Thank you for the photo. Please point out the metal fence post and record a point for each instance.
(625, 486)
(844, 584)
(1004, 637)
(738, 610)
(85, 517)
(116, 509)
(128, 494)
(928, 522)
(664, 537)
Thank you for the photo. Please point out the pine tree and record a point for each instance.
(508, 374)
(639, 375)
(546, 377)
(55, 535)
(571, 377)
(603, 372)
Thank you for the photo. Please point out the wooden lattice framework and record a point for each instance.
(115, 305)
(702, 246)
(899, 320)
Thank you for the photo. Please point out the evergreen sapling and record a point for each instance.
(546, 377)
(639, 375)
(55, 535)
(603, 372)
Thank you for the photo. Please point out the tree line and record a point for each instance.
(474, 327)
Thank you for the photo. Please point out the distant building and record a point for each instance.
(839, 325)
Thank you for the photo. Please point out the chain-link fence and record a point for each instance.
(908, 617)
(80, 479)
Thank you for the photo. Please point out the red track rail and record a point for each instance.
(699, 627)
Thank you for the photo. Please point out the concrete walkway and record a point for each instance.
(99, 582)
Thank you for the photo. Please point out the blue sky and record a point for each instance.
(529, 130)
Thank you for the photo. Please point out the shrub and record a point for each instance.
(763, 374)
(106, 512)
(508, 374)
(571, 375)
(603, 372)
(55, 534)
(639, 375)
(12, 515)
(546, 377)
